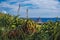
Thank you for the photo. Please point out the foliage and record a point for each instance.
(15, 28)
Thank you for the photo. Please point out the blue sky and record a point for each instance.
(37, 8)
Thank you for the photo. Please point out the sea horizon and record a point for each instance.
(46, 19)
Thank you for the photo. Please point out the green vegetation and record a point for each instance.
(15, 28)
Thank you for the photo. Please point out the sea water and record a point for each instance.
(46, 19)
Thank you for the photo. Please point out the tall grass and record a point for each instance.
(14, 28)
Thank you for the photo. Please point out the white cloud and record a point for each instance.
(47, 8)
(12, 0)
(45, 3)
(5, 4)
(4, 11)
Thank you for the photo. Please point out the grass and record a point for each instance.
(15, 28)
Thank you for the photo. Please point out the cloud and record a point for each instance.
(4, 12)
(45, 3)
(48, 8)
(42, 8)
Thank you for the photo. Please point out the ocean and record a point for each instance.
(45, 19)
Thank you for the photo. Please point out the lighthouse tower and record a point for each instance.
(39, 20)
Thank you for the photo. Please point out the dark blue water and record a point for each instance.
(46, 19)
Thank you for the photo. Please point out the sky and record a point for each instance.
(36, 8)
